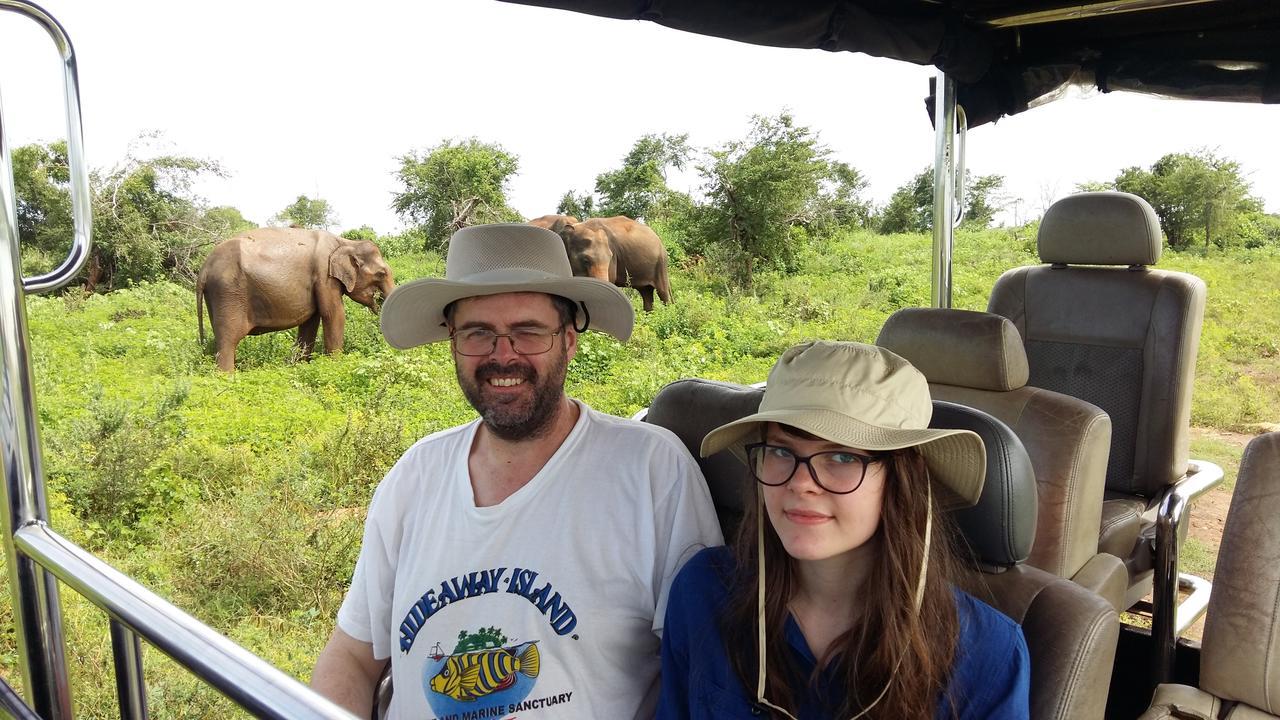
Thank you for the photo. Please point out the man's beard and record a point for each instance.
(516, 419)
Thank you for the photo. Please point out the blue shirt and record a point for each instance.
(990, 679)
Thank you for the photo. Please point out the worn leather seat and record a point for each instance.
(1240, 653)
(1071, 632)
(1100, 324)
(977, 359)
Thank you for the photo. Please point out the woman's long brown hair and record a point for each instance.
(889, 643)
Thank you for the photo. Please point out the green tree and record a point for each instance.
(910, 208)
(840, 202)
(1095, 186)
(636, 187)
(760, 191)
(41, 180)
(364, 232)
(225, 221)
(1192, 194)
(308, 213)
(983, 199)
(455, 184)
(580, 206)
(148, 222)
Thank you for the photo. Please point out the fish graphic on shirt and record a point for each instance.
(471, 675)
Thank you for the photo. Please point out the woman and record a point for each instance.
(836, 601)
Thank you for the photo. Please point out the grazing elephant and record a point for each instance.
(554, 223)
(273, 279)
(621, 251)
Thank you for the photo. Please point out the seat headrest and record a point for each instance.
(1002, 526)
(694, 407)
(958, 347)
(1100, 228)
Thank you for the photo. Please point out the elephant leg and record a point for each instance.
(646, 294)
(226, 340)
(307, 337)
(334, 329)
(229, 328)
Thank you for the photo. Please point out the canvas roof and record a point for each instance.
(1009, 55)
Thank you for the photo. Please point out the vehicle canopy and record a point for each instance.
(1010, 55)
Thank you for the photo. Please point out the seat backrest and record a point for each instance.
(977, 359)
(1240, 655)
(1100, 325)
(1071, 632)
(692, 408)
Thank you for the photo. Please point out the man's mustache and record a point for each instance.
(495, 369)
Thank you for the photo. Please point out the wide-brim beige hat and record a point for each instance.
(495, 259)
(864, 397)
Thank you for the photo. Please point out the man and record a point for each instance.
(519, 564)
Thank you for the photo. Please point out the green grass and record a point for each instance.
(240, 498)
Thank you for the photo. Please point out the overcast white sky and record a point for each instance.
(319, 98)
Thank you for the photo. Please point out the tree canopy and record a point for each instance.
(1194, 194)
(455, 184)
(580, 205)
(41, 178)
(147, 219)
(308, 213)
(148, 222)
(641, 183)
(767, 192)
(910, 208)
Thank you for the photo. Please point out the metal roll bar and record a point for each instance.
(240, 675)
(1169, 617)
(962, 136)
(80, 201)
(38, 557)
(948, 184)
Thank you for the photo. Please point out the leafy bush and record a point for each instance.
(1256, 230)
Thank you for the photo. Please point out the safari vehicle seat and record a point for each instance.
(977, 359)
(1099, 324)
(1071, 632)
(1240, 653)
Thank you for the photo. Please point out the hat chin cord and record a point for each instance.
(760, 659)
(586, 318)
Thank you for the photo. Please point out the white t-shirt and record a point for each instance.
(547, 605)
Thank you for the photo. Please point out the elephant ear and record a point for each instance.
(343, 264)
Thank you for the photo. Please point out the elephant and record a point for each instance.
(271, 279)
(621, 251)
(554, 223)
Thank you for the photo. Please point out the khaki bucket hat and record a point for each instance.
(495, 259)
(863, 397)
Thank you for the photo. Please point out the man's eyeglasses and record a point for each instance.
(836, 471)
(478, 342)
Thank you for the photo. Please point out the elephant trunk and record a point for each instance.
(380, 296)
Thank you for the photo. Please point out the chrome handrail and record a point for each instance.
(1169, 618)
(80, 198)
(243, 677)
(962, 141)
(37, 613)
(944, 124)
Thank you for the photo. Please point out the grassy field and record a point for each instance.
(240, 498)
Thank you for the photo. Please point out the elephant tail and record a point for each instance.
(200, 308)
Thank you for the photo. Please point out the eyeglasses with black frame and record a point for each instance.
(479, 342)
(837, 471)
